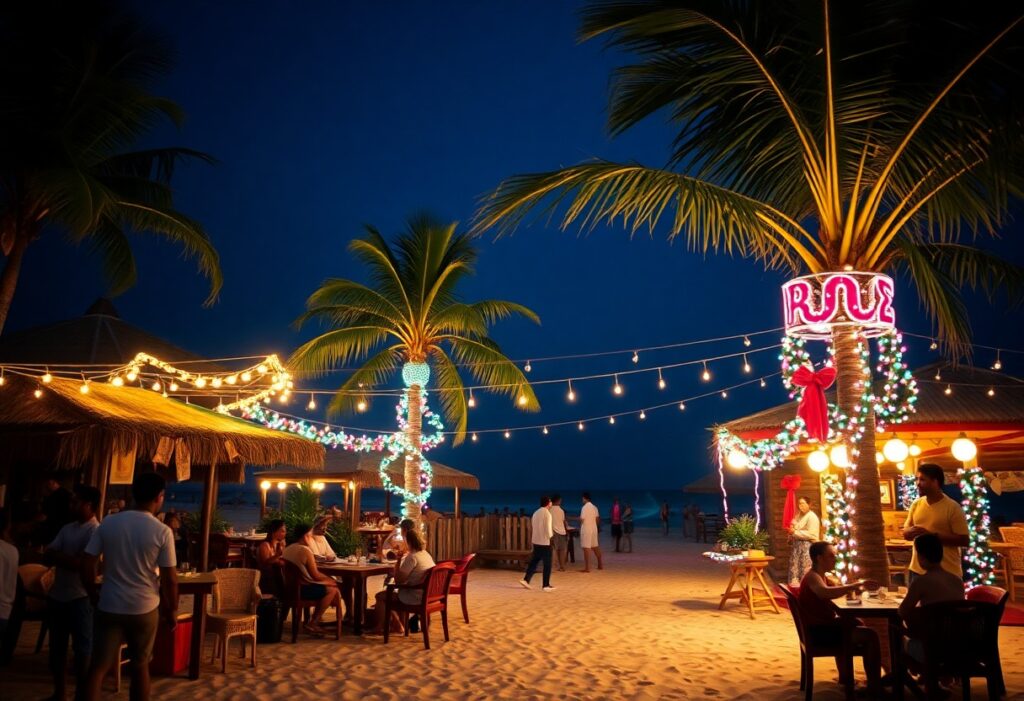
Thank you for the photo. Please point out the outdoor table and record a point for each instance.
(356, 576)
(887, 610)
(247, 544)
(199, 586)
(753, 591)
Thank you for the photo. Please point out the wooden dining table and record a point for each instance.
(199, 586)
(356, 576)
(888, 610)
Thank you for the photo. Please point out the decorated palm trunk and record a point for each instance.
(413, 436)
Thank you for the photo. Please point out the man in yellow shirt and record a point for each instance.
(934, 512)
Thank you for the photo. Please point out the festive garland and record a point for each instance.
(907, 487)
(898, 384)
(414, 375)
(837, 525)
(979, 558)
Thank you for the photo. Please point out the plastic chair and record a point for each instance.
(959, 639)
(992, 595)
(293, 580)
(460, 580)
(810, 648)
(433, 598)
(233, 615)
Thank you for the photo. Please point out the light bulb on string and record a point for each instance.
(643, 414)
(246, 376)
(546, 432)
(231, 379)
(895, 450)
(998, 365)
(617, 388)
(571, 396)
(173, 386)
(527, 367)
(84, 387)
(661, 380)
(991, 392)
(763, 383)
(818, 460)
(938, 376)
(118, 381)
(963, 448)
(682, 406)
(636, 357)
(132, 375)
(611, 419)
(737, 459)
(361, 405)
(914, 450)
(47, 378)
(901, 466)
(746, 364)
(200, 382)
(261, 369)
(746, 341)
(312, 402)
(508, 434)
(216, 382)
(725, 394)
(934, 345)
(471, 403)
(706, 374)
(38, 393)
(473, 438)
(523, 400)
(156, 386)
(3, 380)
(948, 391)
(580, 425)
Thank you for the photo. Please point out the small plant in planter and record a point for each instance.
(742, 533)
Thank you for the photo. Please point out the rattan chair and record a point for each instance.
(233, 614)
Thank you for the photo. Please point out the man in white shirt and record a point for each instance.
(319, 545)
(589, 521)
(135, 546)
(541, 538)
(68, 605)
(560, 540)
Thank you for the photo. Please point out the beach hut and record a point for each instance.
(985, 406)
(107, 432)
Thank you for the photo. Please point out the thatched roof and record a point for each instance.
(362, 468)
(735, 483)
(969, 404)
(98, 337)
(73, 427)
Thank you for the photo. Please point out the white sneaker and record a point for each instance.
(524, 584)
(549, 588)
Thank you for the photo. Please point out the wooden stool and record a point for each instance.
(751, 588)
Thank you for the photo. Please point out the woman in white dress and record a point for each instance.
(589, 520)
(804, 529)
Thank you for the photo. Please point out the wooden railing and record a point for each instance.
(450, 539)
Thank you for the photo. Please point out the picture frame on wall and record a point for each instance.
(888, 492)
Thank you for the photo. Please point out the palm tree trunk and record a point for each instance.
(867, 526)
(412, 467)
(9, 276)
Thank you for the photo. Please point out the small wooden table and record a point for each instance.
(753, 591)
(356, 576)
(199, 586)
(888, 610)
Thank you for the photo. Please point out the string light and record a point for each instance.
(246, 376)
(47, 378)
(948, 391)
(3, 380)
(216, 382)
(617, 389)
(661, 380)
(84, 387)
(522, 400)
(998, 365)
(156, 386)
(361, 405)
(746, 341)
(763, 383)
(991, 392)
(706, 375)
(571, 396)
(38, 393)
(934, 345)
(507, 434)
(636, 357)
(231, 379)
(472, 400)
(312, 402)
(546, 432)
(580, 425)
(200, 382)
(746, 364)
(725, 394)
(527, 367)
(132, 376)
(611, 420)
(938, 376)
(682, 406)
(173, 386)
(643, 415)
(473, 438)
(117, 381)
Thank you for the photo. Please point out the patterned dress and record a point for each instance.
(806, 530)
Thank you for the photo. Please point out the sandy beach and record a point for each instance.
(647, 627)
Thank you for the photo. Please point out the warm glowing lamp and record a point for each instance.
(818, 460)
(895, 450)
(879, 457)
(914, 450)
(964, 449)
(839, 456)
(737, 459)
(265, 485)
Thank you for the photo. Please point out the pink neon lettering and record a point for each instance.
(799, 307)
(886, 314)
(797, 298)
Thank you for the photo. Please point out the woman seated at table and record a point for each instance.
(393, 546)
(315, 585)
(817, 589)
(411, 571)
(269, 556)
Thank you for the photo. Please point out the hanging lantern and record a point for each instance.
(737, 459)
(879, 458)
(914, 450)
(818, 460)
(839, 456)
(964, 449)
(895, 450)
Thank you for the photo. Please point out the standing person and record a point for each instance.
(134, 599)
(934, 512)
(590, 519)
(617, 523)
(665, 511)
(560, 540)
(56, 508)
(542, 532)
(627, 526)
(687, 512)
(70, 612)
(8, 578)
(804, 529)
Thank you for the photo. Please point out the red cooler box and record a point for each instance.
(171, 648)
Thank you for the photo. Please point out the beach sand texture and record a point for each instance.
(647, 627)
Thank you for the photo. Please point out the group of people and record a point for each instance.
(549, 533)
(938, 528)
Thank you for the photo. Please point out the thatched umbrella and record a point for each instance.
(121, 425)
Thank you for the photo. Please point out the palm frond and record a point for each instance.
(340, 346)
(485, 361)
(451, 392)
(374, 372)
(494, 310)
(110, 243)
(336, 295)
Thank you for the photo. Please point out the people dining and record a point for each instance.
(411, 571)
(817, 590)
(934, 586)
(270, 558)
(316, 586)
(318, 543)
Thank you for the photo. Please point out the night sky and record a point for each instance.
(325, 116)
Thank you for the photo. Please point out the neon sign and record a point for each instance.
(815, 306)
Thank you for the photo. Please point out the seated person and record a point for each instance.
(934, 586)
(321, 548)
(411, 570)
(315, 585)
(269, 557)
(817, 589)
(393, 546)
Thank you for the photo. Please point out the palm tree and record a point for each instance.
(412, 314)
(879, 147)
(77, 98)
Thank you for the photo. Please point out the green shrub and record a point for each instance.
(193, 522)
(742, 533)
(302, 507)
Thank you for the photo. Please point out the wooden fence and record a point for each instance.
(478, 534)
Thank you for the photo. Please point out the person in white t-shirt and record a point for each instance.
(590, 519)
(540, 536)
(318, 541)
(560, 540)
(140, 586)
(68, 607)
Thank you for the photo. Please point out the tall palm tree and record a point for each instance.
(412, 314)
(812, 137)
(77, 98)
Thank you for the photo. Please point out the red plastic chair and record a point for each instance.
(433, 597)
(293, 581)
(992, 595)
(460, 581)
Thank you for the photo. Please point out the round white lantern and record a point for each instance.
(818, 460)
(915, 450)
(895, 450)
(737, 459)
(839, 456)
(964, 449)
(879, 458)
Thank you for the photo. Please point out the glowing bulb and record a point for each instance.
(546, 430)
(117, 381)
(763, 383)
(522, 400)
(746, 364)
(246, 376)
(318, 486)
(643, 415)
(901, 466)
(963, 448)
(231, 379)
(200, 382)
(938, 375)
(265, 485)
(571, 396)
(132, 375)
(38, 393)
(661, 380)
(282, 486)
(682, 406)
(636, 357)
(817, 460)
(47, 378)
(746, 341)
(361, 405)
(725, 395)
(617, 389)
(156, 386)
(991, 392)
(527, 367)
(737, 459)
(895, 450)
(216, 382)
(933, 346)
(262, 369)
(839, 456)
(472, 401)
(948, 391)
(914, 450)
(706, 375)
(84, 388)
(580, 425)
(611, 419)
(998, 365)
(473, 438)
(507, 434)
(312, 403)
(879, 458)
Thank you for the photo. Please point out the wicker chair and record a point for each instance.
(460, 580)
(1014, 558)
(234, 611)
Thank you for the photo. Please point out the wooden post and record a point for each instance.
(263, 504)
(356, 493)
(458, 523)
(344, 497)
(104, 478)
(209, 495)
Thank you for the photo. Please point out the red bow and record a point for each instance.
(790, 483)
(813, 408)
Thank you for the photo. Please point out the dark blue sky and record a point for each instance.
(325, 116)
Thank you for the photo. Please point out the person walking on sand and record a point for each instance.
(617, 523)
(560, 540)
(627, 526)
(590, 519)
(541, 538)
(665, 511)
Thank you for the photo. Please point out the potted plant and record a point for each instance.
(301, 506)
(741, 534)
